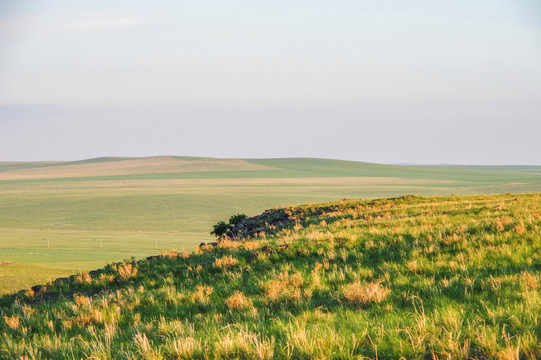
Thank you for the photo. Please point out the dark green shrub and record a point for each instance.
(220, 228)
(235, 219)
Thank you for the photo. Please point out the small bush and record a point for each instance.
(220, 229)
(235, 219)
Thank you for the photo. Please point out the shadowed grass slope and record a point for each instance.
(441, 277)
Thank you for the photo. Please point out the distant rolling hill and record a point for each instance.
(122, 166)
(179, 167)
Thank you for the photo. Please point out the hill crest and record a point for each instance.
(122, 166)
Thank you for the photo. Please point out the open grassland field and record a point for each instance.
(412, 277)
(70, 216)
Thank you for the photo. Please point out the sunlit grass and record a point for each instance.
(444, 277)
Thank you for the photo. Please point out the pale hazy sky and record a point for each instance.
(389, 81)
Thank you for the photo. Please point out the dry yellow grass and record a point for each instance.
(412, 266)
(202, 293)
(530, 280)
(226, 243)
(145, 347)
(226, 262)
(82, 300)
(85, 319)
(84, 278)
(250, 245)
(186, 347)
(238, 301)
(127, 271)
(286, 286)
(12, 321)
(253, 346)
(28, 311)
(364, 294)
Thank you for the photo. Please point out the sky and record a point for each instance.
(387, 81)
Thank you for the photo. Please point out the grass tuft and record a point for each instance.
(238, 301)
(364, 294)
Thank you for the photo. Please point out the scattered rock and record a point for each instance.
(61, 281)
(38, 288)
(268, 222)
(214, 243)
(94, 273)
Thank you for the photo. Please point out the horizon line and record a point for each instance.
(271, 158)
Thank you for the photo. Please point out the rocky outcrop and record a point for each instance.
(268, 222)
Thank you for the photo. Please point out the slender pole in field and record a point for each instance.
(101, 243)
(48, 245)
(156, 243)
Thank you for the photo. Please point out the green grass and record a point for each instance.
(16, 276)
(129, 213)
(412, 277)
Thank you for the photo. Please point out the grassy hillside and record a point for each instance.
(121, 166)
(440, 277)
(75, 216)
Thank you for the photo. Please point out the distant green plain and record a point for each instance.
(54, 226)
